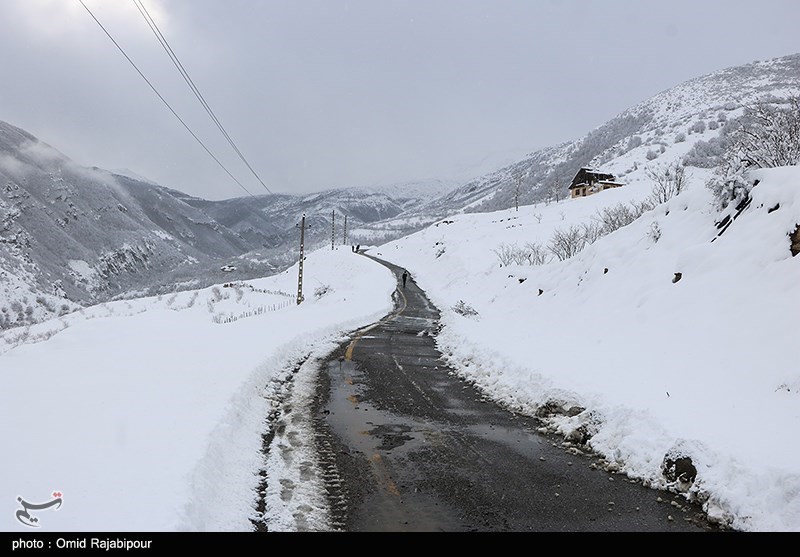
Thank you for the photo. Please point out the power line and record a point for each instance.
(185, 74)
(185, 125)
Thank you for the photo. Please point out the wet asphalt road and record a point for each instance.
(413, 448)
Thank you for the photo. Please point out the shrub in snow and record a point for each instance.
(592, 231)
(462, 308)
(698, 127)
(615, 217)
(634, 142)
(668, 181)
(651, 155)
(566, 243)
(537, 254)
(507, 254)
(655, 232)
(532, 253)
(680, 138)
(708, 154)
(713, 125)
(320, 291)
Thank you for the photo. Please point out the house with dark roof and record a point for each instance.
(589, 181)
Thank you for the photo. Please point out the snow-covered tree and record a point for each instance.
(769, 134)
(730, 183)
(766, 136)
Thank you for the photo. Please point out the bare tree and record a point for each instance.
(518, 186)
(553, 190)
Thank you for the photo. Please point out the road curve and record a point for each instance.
(413, 448)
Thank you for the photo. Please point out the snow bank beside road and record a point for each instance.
(147, 414)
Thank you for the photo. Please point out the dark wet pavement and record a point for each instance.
(415, 448)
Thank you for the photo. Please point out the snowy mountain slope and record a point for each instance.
(698, 108)
(81, 235)
(413, 193)
(362, 206)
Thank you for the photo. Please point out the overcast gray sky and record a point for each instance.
(333, 93)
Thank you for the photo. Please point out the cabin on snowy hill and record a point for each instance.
(589, 181)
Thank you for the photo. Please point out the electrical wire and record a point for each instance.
(190, 82)
(163, 100)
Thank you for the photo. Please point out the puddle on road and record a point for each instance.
(362, 426)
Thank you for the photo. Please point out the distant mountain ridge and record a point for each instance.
(72, 236)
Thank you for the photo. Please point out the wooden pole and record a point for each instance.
(302, 256)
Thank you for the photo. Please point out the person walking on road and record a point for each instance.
(405, 278)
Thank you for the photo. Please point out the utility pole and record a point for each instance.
(333, 229)
(344, 236)
(516, 193)
(302, 256)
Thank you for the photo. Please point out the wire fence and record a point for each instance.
(260, 310)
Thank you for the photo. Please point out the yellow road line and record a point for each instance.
(348, 355)
(383, 475)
